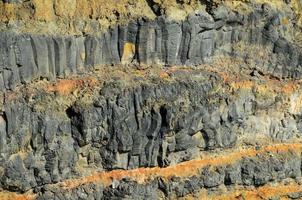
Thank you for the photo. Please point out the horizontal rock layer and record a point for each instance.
(272, 163)
(190, 42)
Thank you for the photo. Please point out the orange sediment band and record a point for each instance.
(185, 169)
(265, 192)
(67, 86)
(4, 195)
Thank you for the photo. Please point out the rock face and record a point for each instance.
(154, 108)
(145, 126)
(161, 41)
(244, 173)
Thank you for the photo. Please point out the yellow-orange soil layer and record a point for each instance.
(185, 169)
(14, 196)
(278, 190)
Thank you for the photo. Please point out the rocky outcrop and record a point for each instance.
(190, 42)
(152, 108)
(146, 125)
(169, 183)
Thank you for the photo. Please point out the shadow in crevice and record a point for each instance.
(210, 4)
(163, 113)
(4, 116)
(70, 113)
(161, 158)
(155, 7)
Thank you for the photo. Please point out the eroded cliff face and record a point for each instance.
(150, 99)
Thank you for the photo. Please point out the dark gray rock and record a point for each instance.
(92, 51)
(60, 56)
(233, 174)
(71, 55)
(80, 53)
(16, 176)
(39, 45)
(213, 178)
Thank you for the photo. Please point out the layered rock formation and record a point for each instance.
(161, 41)
(157, 106)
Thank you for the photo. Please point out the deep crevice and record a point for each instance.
(6, 122)
(163, 113)
(155, 7)
(210, 5)
(70, 113)
(162, 162)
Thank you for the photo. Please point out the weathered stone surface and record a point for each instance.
(150, 124)
(127, 128)
(256, 171)
(161, 41)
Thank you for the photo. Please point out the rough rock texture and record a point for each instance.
(146, 125)
(193, 41)
(160, 105)
(176, 187)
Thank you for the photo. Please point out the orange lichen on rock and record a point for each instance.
(67, 86)
(184, 169)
